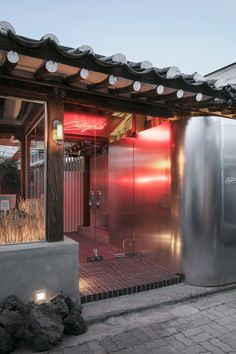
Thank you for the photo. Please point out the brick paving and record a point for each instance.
(207, 325)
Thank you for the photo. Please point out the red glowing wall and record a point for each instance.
(140, 193)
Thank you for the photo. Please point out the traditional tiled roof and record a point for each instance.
(112, 75)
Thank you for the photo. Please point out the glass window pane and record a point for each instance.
(21, 171)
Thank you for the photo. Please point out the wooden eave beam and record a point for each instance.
(25, 89)
(120, 105)
(164, 97)
(12, 129)
(190, 100)
(211, 105)
(33, 90)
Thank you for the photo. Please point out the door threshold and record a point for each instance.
(95, 258)
(131, 254)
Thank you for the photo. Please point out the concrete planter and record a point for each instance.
(42, 265)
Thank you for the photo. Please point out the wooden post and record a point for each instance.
(55, 171)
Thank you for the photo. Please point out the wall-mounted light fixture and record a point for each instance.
(57, 132)
(40, 296)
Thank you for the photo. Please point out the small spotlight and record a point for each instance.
(40, 296)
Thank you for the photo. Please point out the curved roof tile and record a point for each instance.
(116, 64)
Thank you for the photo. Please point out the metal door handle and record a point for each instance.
(99, 199)
(91, 199)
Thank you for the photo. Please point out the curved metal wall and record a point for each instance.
(204, 198)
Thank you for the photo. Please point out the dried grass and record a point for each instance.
(25, 224)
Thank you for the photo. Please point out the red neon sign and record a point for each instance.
(84, 124)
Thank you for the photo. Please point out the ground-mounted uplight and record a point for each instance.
(57, 132)
(40, 296)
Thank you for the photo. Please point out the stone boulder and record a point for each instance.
(7, 341)
(12, 315)
(12, 321)
(73, 304)
(46, 327)
(13, 303)
(59, 305)
(41, 325)
(74, 323)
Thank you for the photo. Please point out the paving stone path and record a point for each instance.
(207, 325)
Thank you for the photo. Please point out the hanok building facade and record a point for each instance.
(134, 162)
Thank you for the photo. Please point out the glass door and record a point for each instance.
(98, 193)
(87, 135)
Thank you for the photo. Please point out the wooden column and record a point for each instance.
(55, 171)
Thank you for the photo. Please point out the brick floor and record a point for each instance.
(116, 276)
(86, 246)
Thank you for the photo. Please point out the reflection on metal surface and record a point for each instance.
(205, 205)
(140, 195)
(121, 205)
(150, 179)
(172, 191)
(153, 193)
(161, 134)
(162, 164)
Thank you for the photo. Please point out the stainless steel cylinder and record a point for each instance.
(204, 198)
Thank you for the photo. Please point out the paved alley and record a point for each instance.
(205, 325)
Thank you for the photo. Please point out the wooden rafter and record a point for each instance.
(158, 90)
(47, 69)
(82, 74)
(12, 58)
(108, 81)
(133, 87)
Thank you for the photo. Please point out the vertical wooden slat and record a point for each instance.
(23, 168)
(73, 203)
(55, 171)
